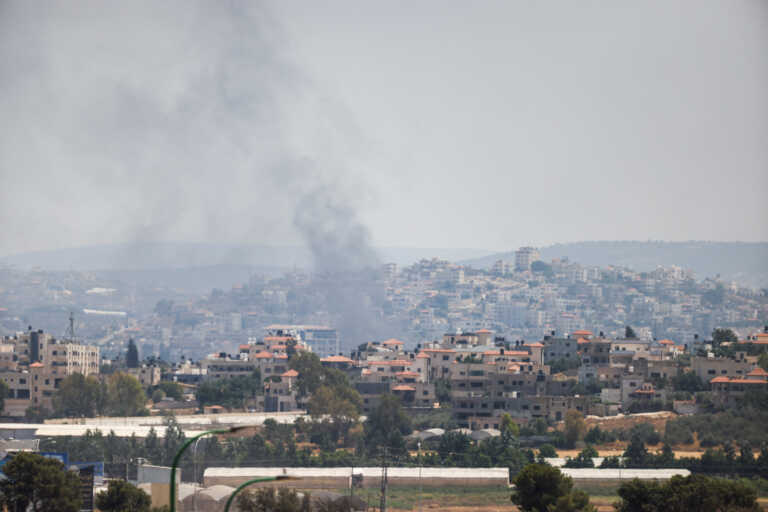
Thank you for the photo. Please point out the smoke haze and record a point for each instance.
(147, 122)
(139, 121)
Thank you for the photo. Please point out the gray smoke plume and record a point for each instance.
(345, 266)
(183, 120)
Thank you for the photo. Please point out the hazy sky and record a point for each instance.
(433, 123)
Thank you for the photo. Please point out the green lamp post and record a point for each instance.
(253, 481)
(186, 445)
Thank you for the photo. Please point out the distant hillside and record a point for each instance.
(166, 255)
(197, 266)
(744, 262)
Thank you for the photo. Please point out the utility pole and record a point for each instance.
(383, 503)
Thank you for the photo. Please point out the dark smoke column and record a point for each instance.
(346, 267)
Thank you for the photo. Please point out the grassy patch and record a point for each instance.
(408, 497)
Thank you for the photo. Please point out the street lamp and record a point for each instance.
(194, 457)
(186, 445)
(254, 481)
(420, 465)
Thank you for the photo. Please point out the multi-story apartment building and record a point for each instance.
(727, 390)
(322, 340)
(708, 368)
(34, 364)
(560, 348)
(524, 256)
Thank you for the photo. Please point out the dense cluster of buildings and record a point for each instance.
(523, 298)
(528, 298)
(33, 364)
(480, 375)
(517, 335)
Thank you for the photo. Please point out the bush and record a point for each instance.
(611, 462)
(686, 494)
(547, 451)
(646, 433)
(583, 459)
(741, 425)
(540, 488)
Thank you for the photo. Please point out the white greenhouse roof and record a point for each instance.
(367, 472)
(623, 474)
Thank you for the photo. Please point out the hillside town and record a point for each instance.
(524, 299)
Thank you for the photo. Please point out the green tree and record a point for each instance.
(723, 335)
(132, 355)
(685, 494)
(611, 462)
(270, 500)
(629, 333)
(122, 496)
(539, 426)
(342, 404)
(443, 391)
(386, 426)
(157, 395)
(574, 501)
(762, 361)
(583, 459)
(575, 427)
(4, 392)
(40, 484)
(542, 488)
(152, 449)
(310, 371)
(173, 439)
(636, 454)
(171, 389)
(79, 396)
(125, 395)
(231, 393)
(509, 429)
(36, 414)
(547, 451)
(594, 435)
(688, 381)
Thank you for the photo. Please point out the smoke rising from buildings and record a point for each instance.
(185, 120)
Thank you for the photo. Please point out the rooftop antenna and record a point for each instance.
(70, 336)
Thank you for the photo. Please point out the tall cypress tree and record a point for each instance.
(132, 355)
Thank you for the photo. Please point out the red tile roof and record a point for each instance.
(290, 373)
(403, 387)
(336, 359)
(277, 338)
